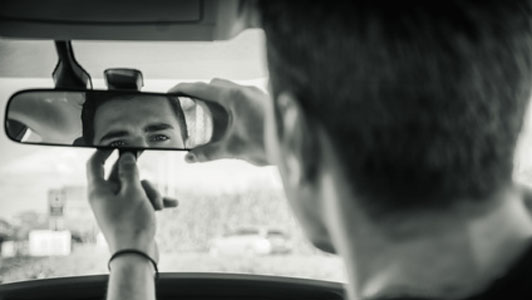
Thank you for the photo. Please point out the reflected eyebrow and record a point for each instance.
(157, 127)
(114, 134)
(149, 128)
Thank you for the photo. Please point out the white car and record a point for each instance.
(251, 241)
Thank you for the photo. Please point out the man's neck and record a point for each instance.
(448, 255)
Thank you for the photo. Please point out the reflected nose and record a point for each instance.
(139, 142)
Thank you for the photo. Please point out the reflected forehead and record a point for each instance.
(144, 101)
(120, 107)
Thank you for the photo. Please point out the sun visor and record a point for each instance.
(183, 20)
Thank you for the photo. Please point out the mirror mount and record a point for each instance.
(123, 79)
(68, 73)
(136, 153)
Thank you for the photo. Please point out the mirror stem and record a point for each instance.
(68, 73)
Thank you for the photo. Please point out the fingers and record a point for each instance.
(113, 175)
(199, 90)
(125, 173)
(223, 83)
(158, 202)
(205, 153)
(205, 91)
(95, 167)
(128, 173)
(155, 197)
(170, 202)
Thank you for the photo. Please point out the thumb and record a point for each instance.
(127, 171)
(205, 153)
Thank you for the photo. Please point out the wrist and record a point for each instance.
(147, 247)
(130, 262)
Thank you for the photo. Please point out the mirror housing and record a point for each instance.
(123, 119)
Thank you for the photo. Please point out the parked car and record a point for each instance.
(252, 241)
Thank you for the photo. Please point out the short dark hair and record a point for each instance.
(424, 101)
(94, 100)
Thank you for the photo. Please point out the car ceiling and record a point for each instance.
(163, 20)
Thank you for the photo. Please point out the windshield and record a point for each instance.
(232, 217)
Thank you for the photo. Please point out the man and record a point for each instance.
(393, 129)
(133, 120)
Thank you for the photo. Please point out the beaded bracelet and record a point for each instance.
(137, 252)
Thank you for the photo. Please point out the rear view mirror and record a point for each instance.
(111, 119)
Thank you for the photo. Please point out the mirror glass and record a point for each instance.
(117, 119)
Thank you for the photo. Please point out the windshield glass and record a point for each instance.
(232, 217)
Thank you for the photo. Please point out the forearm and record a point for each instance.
(132, 277)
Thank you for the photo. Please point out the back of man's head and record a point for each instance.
(423, 102)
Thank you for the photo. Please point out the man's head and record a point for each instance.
(423, 103)
(132, 120)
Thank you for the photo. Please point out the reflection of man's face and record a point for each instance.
(146, 121)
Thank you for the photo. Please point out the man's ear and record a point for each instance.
(297, 140)
(301, 160)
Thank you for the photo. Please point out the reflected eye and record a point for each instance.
(159, 138)
(118, 143)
